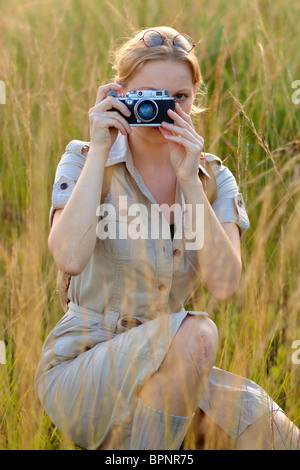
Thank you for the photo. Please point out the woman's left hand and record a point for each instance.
(185, 145)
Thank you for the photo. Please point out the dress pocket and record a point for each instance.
(74, 336)
(122, 239)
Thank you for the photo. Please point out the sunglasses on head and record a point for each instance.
(153, 38)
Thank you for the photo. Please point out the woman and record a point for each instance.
(127, 367)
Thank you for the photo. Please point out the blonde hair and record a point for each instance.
(131, 56)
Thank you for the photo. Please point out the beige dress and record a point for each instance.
(126, 307)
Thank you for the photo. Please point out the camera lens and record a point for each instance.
(146, 110)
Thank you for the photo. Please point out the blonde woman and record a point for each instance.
(127, 367)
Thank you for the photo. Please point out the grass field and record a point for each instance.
(53, 57)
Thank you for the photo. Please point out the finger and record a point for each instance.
(104, 89)
(110, 122)
(184, 115)
(104, 121)
(184, 142)
(110, 102)
(117, 104)
(183, 132)
(118, 117)
(164, 131)
(177, 118)
(181, 122)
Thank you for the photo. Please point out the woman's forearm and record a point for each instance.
(72, 239)
(219, 263)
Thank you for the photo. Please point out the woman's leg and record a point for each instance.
(205, 434)
(275, 432)
(170, 397)
(177, 386)
(271, 432)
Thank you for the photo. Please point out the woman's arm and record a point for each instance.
(219, 254)
(73, 234)
(219, 258)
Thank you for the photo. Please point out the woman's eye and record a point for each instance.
(180, 96)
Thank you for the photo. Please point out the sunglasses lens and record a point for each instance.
(184, 41)
(152, 38)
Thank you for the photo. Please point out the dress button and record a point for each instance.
(123, 212)
(177, 252)
(64, 186)
(162, 288)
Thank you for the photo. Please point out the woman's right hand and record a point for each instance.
(105, 124)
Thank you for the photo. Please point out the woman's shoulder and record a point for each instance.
(72, 161)
(227, 186)
(212, 158)
(221, 171)
(229, 205)
(79, 147)
(215, 162)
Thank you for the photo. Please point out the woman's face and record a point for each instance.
(164, 75)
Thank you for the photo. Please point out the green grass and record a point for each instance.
(53, 58)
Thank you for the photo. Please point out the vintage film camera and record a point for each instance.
(148, 107)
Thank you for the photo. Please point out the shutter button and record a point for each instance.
(63, 186)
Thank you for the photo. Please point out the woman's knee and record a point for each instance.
(204, 340)
(197, 339)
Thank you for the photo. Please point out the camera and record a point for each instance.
(147, 107)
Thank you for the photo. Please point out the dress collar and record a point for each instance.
(120, 152)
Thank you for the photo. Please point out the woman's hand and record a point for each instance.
(105, 124)
(185, 145)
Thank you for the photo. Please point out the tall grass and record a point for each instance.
(53, 58)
